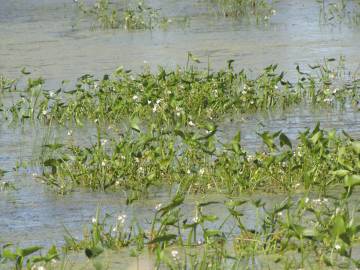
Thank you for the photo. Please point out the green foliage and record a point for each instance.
(182, 97)
(261, 10)
(116, 14)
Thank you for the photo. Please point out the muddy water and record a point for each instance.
(51, 39)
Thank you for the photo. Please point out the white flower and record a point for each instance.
(307, 200)
(51, 93)
(188, 172)
(158, 206)
(149, 102)
(115, 229)
(191, 124)
(252, 102)
(276, 87)
(155, 108)
(117, 183)
(327, 100)
(244, 92)
(121, 219)
(196, 219)
(280, 214)
(44, 112)
(337, 246)
(94, 220)
(175, 254)
(135, 97)
(96, 121)
(202, 171)
(158, 101)
(103, 163)
(297, 185)
(70, 132)
(178, 114)
(104, 141)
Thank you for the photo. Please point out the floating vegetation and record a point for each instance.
(261, 10)
(340, 11)
(117, 14)
(185, 95)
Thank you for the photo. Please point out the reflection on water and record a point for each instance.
(48, 38)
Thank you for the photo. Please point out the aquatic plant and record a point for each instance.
(261, 10)
(181, 96)
(120, 15)
(199, 162)
(26, 257)
(340, 11)
(302, 232)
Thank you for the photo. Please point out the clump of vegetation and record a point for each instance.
(197, 161)
(300, 231)
(28, 257)
(340, 11)
(183, 96)
(261, 10)
(120, 15)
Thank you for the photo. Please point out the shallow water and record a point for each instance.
(48, 38)
(52, 40)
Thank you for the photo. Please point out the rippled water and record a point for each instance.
(51, 39)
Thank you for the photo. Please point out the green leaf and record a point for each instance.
(284, 140)
(340, 173)
(352, 180)
(356, 147)
(93, 252)
(234, 203)
(210, 218)
(8, 254)
(24, 71)
(163, 238)
(339, 226)
(134, 124)
(176, 201)
(27, 251)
